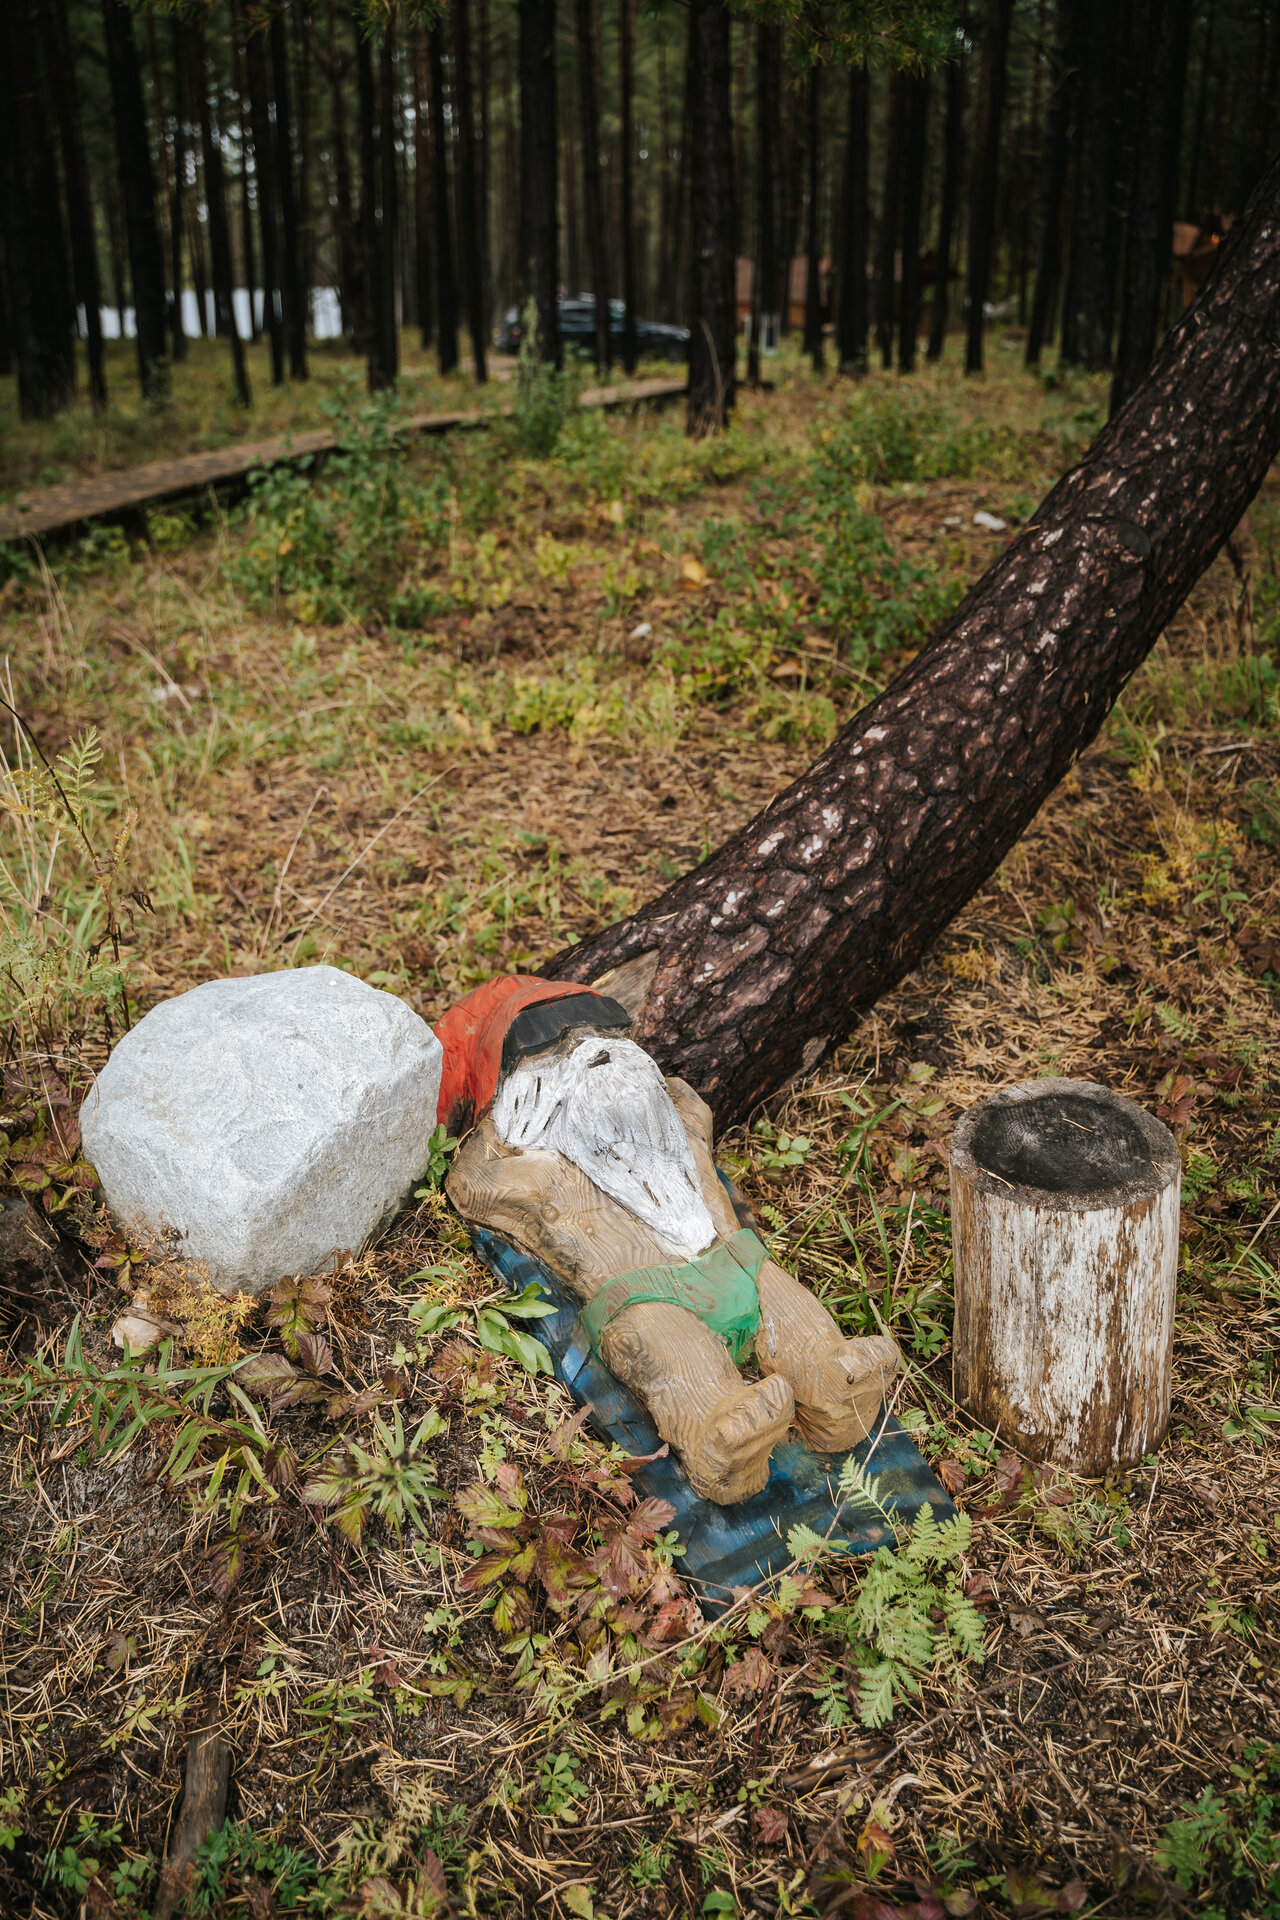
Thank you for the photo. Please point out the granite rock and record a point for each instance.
(260, 1125)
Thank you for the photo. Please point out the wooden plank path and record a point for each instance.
(54, 509)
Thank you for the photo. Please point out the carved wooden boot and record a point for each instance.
(838, 1383)
(728, 1458)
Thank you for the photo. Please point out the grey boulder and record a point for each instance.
(261, 1125)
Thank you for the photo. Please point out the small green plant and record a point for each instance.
(11, 1828)
(349, 538)
(492, 1324)
(559, 1786)
(62, 939)
(72, 1866)
(911, 1616)
(441, 1147)
(541, 398)
(392, 1479)
(779, 1152)
(1233, 1837)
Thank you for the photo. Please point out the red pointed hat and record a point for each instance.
(512, 1015)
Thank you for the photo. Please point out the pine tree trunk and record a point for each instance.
(949, 200)
(469, 245)
(592, 196)
(1089, 278)
(851, 311)
(1152, 205)
(422, 190)
(627, 83)
(133, 154)
(42, 310)
(539, 221)
(268, 205)
(375, 285)
(986, 168)
(768, 952)
(177, 205)
(485, 64)
(890, 214)
(713, 316)
(388, 229)
(84, 252)
(244, 134)
(351, 288)
(768, 115)
(667, 215)
(1053, 189)
(304, 172)
(813, 263)
(446, 285)
(216, 200)
(915, 130)
(292, 282)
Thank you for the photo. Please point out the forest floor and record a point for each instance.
(430, 717)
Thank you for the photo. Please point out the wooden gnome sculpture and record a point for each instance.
(582, 1154)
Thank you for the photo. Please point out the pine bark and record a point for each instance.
(627, 141)
(469, 243)
(768, 952)
(539, 220)
(292, 280)
(42, 314)
(422, 191)
(1152, 204)
(851, 311)
(592, 195)
(986, 170)
(713, 319)
(177, 204)
(915, 129)
(1053, 188)
(1088, 338)
(948, 203)
(388, 225)
(137, 183)
(813, 264)
(75, 174)
(446, 284)
(890, 214)
(768, 117)
(268, 201)
(219, 239)
(375, 286)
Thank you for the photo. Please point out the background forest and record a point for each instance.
(849, 173)
(430, 706)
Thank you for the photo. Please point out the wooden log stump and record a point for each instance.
(1064, 1209)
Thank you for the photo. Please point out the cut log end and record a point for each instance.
(1065, 1229)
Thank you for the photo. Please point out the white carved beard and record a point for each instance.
(605, 1106)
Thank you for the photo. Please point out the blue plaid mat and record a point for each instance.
(742, 1544)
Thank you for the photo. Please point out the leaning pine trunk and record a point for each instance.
(765, 955)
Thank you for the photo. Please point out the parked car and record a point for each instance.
(655, 340)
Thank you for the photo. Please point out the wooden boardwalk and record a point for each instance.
(57, 509)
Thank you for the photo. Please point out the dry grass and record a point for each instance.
(361, 795)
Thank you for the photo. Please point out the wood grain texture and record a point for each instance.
(1063, 1336)
(769, 950)
(203, 1810)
